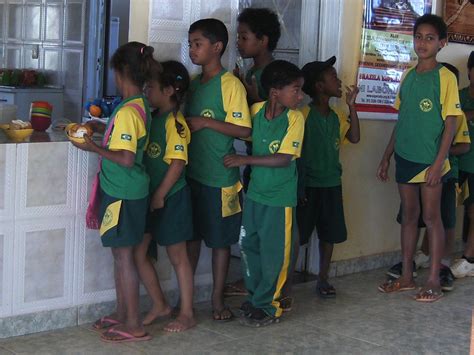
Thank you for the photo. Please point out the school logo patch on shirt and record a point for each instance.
(296, 144)
(208, 113)
(458, 105)
(465, 133)
(153, 150)
(126, 137)
(426, 105)
(274, 146)
(179, 147)
(237, 115)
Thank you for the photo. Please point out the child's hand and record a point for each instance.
(433, 175)
(234, 160)
(302, 201)
(196, 123)
(252, 89)
(88, 145)
(236, 71)
(382, 171)
(157, 201)
(351, 94)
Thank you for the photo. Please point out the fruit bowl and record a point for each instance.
(17, 135)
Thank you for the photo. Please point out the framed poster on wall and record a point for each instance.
(386, 51)
(459, 15)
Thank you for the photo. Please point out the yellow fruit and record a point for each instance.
(95, 111)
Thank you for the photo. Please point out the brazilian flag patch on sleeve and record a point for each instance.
(237, 114)
(126, 137)
(179, 147)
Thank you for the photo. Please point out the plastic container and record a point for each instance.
(7, 113)
(40, 123)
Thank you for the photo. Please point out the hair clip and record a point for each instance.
(176, 89)
(179, 77)
(142, 49)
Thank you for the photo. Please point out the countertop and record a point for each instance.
(41, 137)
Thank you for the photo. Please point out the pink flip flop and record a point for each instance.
(104, 323)
(125, 336)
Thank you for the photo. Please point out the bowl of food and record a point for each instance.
(17, 130)
(76, 132)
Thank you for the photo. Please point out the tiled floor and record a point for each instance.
(359, 321)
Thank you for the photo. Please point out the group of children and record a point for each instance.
(172, 177)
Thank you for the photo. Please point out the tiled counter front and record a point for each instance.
(53, 271)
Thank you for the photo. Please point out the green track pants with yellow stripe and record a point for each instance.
(266, 241)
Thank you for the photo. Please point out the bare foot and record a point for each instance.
(180, 324)
(156, 313)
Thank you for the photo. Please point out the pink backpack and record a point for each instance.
(92, 214)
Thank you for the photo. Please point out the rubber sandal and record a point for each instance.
(104, 323)
(232, 290)
(325, 289)
(258, 318)
(217, 315)
(429, 296)
(125, 337)
(286, 303)
(392, 286)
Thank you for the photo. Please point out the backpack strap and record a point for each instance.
(108, 132)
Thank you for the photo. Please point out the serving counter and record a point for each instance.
(54, 272)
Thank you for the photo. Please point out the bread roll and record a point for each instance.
(19, 124)
(79, 131)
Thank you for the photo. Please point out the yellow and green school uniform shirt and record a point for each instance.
(424, 101)
(323, 136)
(165, 144)
(466, 161)
(128, 133)
(283, 134)
(462, 136)
(222, 98)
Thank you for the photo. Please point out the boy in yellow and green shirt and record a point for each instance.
(217, 113)
(268, 224)
(320, 203)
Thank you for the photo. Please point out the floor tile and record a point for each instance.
(66, 341)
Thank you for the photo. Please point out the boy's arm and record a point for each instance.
(229, 129)
(277, 160)
(469, 115)
(353, 134)
(433, 174)
(382, 171)
(459, 148)
(172, 175)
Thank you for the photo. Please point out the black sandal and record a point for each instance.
(325, 289)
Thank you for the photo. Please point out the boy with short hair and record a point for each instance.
(320, 202)
(428, 104)
(217, 112)
(258, 34)
(268, 223)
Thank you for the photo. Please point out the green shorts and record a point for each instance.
(408, 172)
(466, 183)
(217, 215)
(323, 210)
(172, 224)
(448, 206)
(122, 221)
